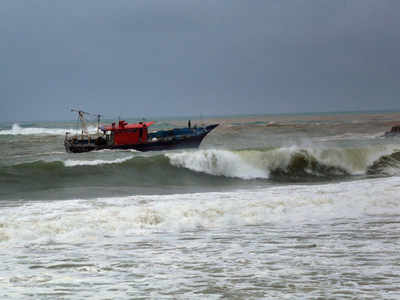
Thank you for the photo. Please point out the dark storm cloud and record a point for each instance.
(153, 58)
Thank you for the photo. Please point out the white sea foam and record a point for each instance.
(16, 129)
(217, 162)
(93, 219)
(352, 136)
(73, 163)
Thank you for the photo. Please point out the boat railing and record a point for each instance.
(83, 137)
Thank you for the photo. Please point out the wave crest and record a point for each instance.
(201, 168)
(217, 162)
(282, 163)
(387, 164)
(16, 129)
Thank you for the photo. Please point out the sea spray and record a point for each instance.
(218, 163)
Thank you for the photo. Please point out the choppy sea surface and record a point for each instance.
(269, 207)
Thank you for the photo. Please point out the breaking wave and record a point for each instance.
(16, 129)
(203, 169)
(219, 163)
(291, 163)
(387, 164)
(242, 164)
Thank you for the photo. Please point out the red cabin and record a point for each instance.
(129, 134)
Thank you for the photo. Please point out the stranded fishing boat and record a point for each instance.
(134, 136)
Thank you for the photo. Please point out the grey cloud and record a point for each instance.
(153, 58)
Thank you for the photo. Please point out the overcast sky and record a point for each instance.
(194, 57)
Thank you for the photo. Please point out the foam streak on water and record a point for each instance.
(345, 238)
(73, 163)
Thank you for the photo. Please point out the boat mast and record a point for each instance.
(98, 123)
(81, 114)
(82, 119)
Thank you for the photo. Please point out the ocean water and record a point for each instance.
(269, 207)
